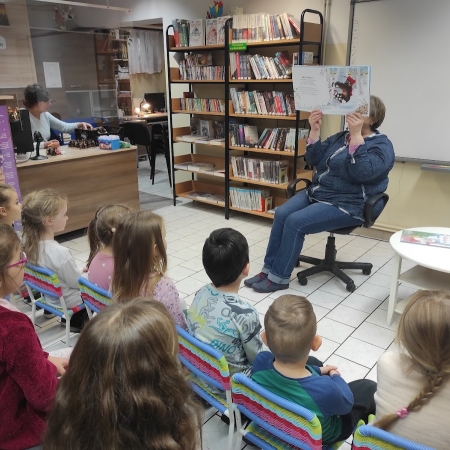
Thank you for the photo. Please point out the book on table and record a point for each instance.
(425, 238)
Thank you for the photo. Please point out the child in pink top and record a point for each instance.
(140, 263)
(100, 234)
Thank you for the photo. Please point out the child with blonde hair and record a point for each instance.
(125, 388)
(100, 232)
(44, 213)
(140, 262)
(10, 207)
(413, 395)
(27, 374)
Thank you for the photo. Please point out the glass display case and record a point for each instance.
(95, 103)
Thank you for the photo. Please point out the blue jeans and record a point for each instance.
(293, 220)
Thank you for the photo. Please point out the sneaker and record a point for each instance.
(249, 282)
(266, 286)
(48, 315)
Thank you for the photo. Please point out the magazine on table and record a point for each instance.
(332, 89)
(425, 238)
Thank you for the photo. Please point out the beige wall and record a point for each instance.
(16, 61)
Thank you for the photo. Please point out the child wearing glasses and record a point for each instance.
(44, 213)
(27, 374)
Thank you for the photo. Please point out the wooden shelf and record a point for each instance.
(271, 81)
(261, 183)
(200, 113)
(254, 213)
(176, 141)
(197, 81)
(200, 47)
(264, 150)
(262, 116)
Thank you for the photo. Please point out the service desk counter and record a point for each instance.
(90, 178)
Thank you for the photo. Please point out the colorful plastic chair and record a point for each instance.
(94, 298)
(209, 365)
(367, 437)
(276, 423)
(46, 282)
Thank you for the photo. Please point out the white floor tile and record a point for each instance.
(374, 291)
(187, 254)
(335, 286)
(326, 350)
(320, 311)
(288, 291)
(379, 316)
(194, 262)
(380, 279)
(172, 261)
(361, 303)
(335, 331)
(347, 315)
(325, 299)
(250, 294)
(350, 371)
(201, 276)
(377, 261)
(189, 285)
(374, 334)
(178, 273)
(360, 352)
(308, 288)
(372, 375)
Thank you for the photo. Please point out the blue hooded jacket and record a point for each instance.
(345, 180)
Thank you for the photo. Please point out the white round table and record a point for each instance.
(432, 269)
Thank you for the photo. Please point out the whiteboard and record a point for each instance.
(407, 44)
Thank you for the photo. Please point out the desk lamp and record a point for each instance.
(37, 137)
(144, 106)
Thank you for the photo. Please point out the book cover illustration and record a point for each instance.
(331, 89)
(221, 29)
(211, 31)
(425, 238)
(196, 33)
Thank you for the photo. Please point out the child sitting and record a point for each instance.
(290, 333)
(27, 373)
(218, 316)
(413, 395)
(10, 207)
(125, 388)
(44, 213)
(101, 231)
(140, 262)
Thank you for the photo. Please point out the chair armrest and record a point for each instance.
(292, 188)
(369, 218)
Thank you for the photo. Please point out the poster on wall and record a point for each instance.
(7, 158)
(333, 90)
(52, 75)
(4, 21)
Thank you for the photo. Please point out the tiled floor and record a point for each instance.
(353, 326)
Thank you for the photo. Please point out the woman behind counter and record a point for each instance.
(37, 101)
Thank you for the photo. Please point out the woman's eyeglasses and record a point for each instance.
(22, 261)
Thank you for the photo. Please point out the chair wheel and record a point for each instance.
(297, 263)
(303, 281)
(351, 287)
(366, 271)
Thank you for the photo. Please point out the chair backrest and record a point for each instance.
(94, 295)
(203, 360)
(286, 420)
(43, 280)
(368, 437)
(137, 133)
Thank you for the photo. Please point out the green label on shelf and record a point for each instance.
(238, 46)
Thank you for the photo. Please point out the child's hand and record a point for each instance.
(61, 364)
(327, 370)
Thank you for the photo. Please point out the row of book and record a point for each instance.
(201, 167)
(244, 66)
(267, 171)
(216, 105)
(264, 27)
(213, 129)
(199, 32)
(280, 139)
(251, 199)
(262, 102)
(201, 72)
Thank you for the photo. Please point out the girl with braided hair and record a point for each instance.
(413, 395)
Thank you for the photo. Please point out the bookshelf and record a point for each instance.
(220, 155)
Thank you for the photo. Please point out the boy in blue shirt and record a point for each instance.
(290, 333)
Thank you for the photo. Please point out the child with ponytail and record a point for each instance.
(413, 394)
(140, 262)
(101, 231)
(27, 374)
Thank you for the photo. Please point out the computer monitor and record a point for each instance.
(156, 100)
(21, 131)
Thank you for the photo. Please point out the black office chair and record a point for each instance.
(160, 140)
(372, 210)
(139, 134)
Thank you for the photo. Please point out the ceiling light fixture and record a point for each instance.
(88, 5)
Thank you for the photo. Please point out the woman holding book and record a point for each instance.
(350, 167)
